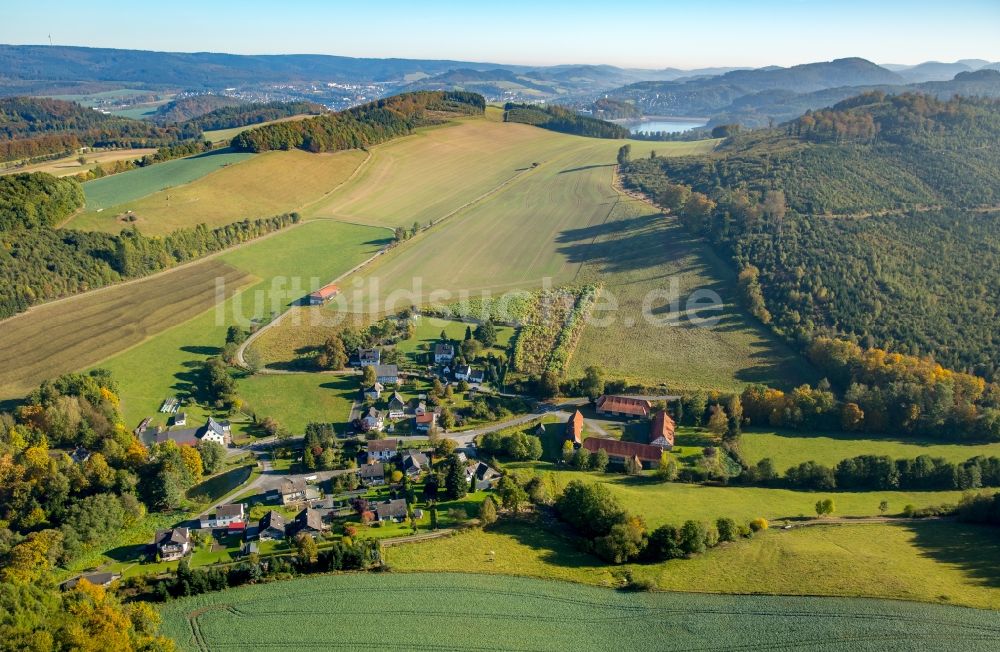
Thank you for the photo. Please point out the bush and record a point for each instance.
(727, 528)
(758, 524)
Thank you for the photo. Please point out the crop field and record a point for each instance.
(457, 611)
(926, 561)
(790, 448)
(69, 165)
(167, 365)
(265, 185)
(80, 331)
(128, 186)
(220, 135)
(651, 269)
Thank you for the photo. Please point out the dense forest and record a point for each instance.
(865, 221)
(192, 106)
(562, 120)
(39, 262)
(251, 114)
(361, 126)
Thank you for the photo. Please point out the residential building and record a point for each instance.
(443, 353)
(421, 408)
(293, 490)
(619, 451)
(374, 392)
(661, 431)
(391, 510)
(172, 544)
(373, 421)
(387, 374)
(271, 527)
(624, 406)
(486, 476)
(425, 422)
(369, 357)
(477, 376)
(574, 429)
(97, 579)
(372, 474)
(180, 419)
(80, 455)
(415, 463)
(225, 516)
(462, 372)
(218, 431)
(397, 406)
(324, 294)
(309, 521)
(382, 450)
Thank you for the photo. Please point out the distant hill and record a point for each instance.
(192, 106)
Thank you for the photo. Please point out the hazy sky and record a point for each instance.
(637, 33)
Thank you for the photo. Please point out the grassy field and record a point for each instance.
(443, 611)
(69, 165)
(80, 331)
(927, 561)
(128, 186)
(167, 364)
(428, 333)
(790, 448)
(265, 185)
(298, 399)
(651, 268)
(220, 135)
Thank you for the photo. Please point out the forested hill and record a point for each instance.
(561, 119)
(251, 114)
(866, 221)
(362, 126)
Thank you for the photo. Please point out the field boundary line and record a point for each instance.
(357, 170)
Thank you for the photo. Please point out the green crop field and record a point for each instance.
(80, 331)
(128, 186)
(285, 263)
(443, 611)
(265, 185)
(788, 448)
(69, 165)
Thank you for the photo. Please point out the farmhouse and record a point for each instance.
(397, 406)
(425, 422)
(293, 490)
(382, 450)
(574, 429)
(619, 451)
(387, 374)
(324, 294)
(443, 353)
(391, 510)
(225, 516)
(172, 544)
(309, 521)
(271, 527)
(218, 431)
(486, 476)
(372, 474)
(661, 431)
(624, 406)
(369, 357)
(414, 463)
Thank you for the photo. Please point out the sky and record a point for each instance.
(630, 33)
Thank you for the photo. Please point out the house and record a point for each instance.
(249, 548)
(443, 353)
(425, 422)
(397, 406)
(387, 374)
(619, 451)
(372, 474)
(661, 431)
(421, 408)
(477, 376)
(183, 437)
(173, 543)
(391, 510)
(486, 476)
(462, 372)
(540, 429)
(624, 406)
(80, 455)
(309, 521)
(324, 294)
(374, 392)
(574, 429)
(218, 431)
(271, 527)
(180, 419)
(97, 579)
(369, 357)
(414, 463)
(382, 450)
(293, 490)
(373, 421)
(225, 516)
(462, 457)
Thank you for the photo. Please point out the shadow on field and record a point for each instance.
(587, 167)
(974, 549)
(202, 350)
(557, 549)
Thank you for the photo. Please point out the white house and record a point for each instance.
(382, 450)
(172, 544)
(369, 357)
(374, 392)
(397, 406)
(462, 372)
(224, 516)
(218, 431)
(443, 353)
(425, 422)
(374, 421)
(387, 374)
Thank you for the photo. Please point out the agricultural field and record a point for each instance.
(926, 561)
(108, 192)
(223, 135)
(460, 611)
(651, 267)
(70, 165)
(267, 184)
(82, 330)
(788, 448)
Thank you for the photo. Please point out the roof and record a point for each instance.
(369, 354)
(443, 349)
(272, 519)
(663, 426)
(326, 291)
(374, 413)
(375, 389)
(377, 445)
(395, 508)
(623, 449)
(97, 579)
(183, 437)
(574, 428)
(216, 426)
(292, 485)
(426, 417)
(624, 405)
(309, 518)
(415, 459)
(178, 535)
(372, 471)
(229, 511)
(385, 370)
(477, 375)
(397, 399)
(484, 471)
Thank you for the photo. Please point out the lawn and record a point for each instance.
(265, 185)
(428, 333)
(460, 611)
(787, 448)
(128, 186)
(62, 167)
(298, 399)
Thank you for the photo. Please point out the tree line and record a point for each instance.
(563, 120)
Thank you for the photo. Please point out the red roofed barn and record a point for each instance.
(624, 406)
(324, 294)
(619, 451)
(574, 429)
(661, 432)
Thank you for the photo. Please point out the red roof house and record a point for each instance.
(622, 450)
(324, 294)
(625, 406)
(661, 432)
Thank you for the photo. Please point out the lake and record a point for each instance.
(669, 125)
